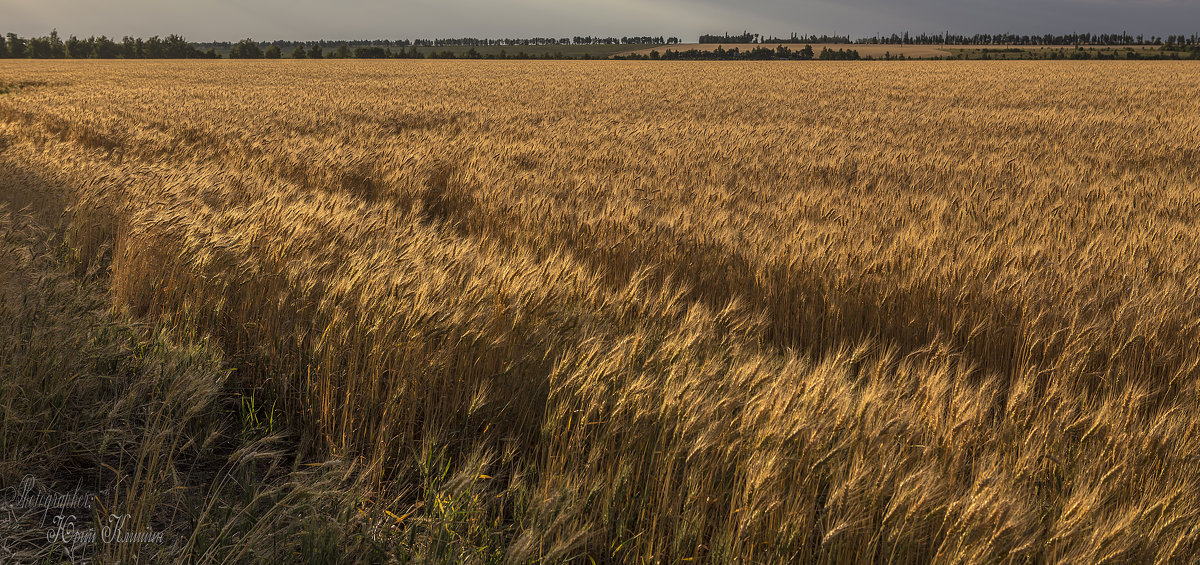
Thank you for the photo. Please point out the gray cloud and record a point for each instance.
(312, 19)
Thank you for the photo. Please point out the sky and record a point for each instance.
(264, 20)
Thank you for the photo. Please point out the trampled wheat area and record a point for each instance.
(643, 312)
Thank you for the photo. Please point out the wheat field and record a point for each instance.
(640, 312)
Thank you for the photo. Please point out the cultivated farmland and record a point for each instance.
(628, 311)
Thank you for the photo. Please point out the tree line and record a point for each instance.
(173, 46)
(780, 53)
(397, 44)
(947, 38)
(1098, 53)
(1090, 39)
(784, 53)
(54, 47)
(796, 38)
(541, 41)
(250, 49)
(747, 37)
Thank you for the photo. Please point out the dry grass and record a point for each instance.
(662, 312)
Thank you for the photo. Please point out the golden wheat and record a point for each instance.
(655, 312)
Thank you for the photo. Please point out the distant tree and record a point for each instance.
(828, 54)
(154, 48)
(16, 47)
(315, 51)
(299, 53)
(3, 47)
(745, 37)
(57, 49)
(343, 51)
(129, 48)
(176, 47)
(245, 49)
(77, 49)
(760, 53)
(106, 48)
(807, 52)
(39, 48)
(272, 52)
(371, 52)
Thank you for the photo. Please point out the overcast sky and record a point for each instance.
(204, 20)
